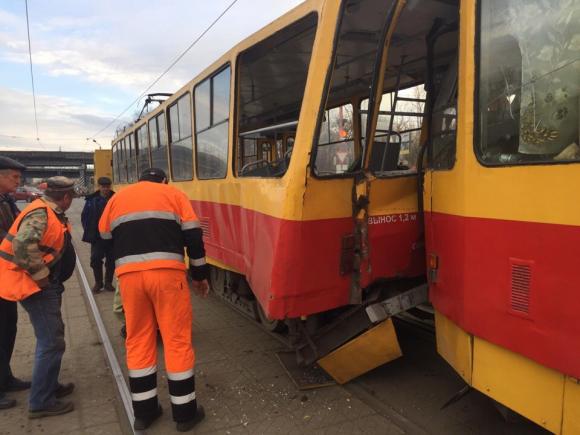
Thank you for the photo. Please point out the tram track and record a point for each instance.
(112, 359)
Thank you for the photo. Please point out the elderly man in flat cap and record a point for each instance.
(10, 173)
(100, 249)
(36, 258)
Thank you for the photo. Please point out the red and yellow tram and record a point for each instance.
(353, 150)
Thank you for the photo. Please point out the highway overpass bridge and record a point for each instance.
(44, 164)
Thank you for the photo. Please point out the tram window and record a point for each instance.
(202, 106)
(119, 165)
(271, 85)
(397, 141)
(122, 162)
(181, 145)
(529, 91)
(115, 162)
(335, 153)
(158, 140)
(142, 147)
(354, 57)
(444, 119)
(212, 106)
(131, 159)
(221, 97)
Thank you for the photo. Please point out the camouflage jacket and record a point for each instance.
(27, 254)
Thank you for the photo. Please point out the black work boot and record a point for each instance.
(109, 273)
(15, 384)
(184, 426)
(98, 274)
(144, 423)
(6, 403)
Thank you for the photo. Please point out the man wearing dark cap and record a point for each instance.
(100, 249)
(151, 224)
(10, 173)
(36, 258)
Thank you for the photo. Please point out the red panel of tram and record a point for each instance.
(504, 280)
(293, 267)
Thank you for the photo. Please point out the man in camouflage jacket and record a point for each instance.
(44, 306)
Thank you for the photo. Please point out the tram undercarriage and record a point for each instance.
(315, 337)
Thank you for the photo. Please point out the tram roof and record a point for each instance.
(229, 56)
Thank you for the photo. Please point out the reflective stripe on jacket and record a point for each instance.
(150, 224)
(17, 284)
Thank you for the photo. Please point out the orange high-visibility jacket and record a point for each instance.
(150, 224)
(16, 283)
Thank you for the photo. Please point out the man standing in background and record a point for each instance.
(10, 174)
(94, 205)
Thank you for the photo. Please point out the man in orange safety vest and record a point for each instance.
(150, 224)
(36, 257)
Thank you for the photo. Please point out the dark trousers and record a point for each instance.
(8, 321)
(102, 249)
(44, 311)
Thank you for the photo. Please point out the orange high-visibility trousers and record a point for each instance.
(159, 298)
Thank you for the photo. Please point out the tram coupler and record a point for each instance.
(397, 304)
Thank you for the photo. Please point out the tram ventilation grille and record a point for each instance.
(205, 227)
(521, 280)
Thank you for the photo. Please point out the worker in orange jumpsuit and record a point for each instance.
(150, 224)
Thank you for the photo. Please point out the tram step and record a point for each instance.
(377, 346)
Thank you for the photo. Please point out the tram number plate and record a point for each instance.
(392, 218)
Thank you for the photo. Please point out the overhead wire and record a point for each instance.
(177, 59)
(12, 136)
(31, 72)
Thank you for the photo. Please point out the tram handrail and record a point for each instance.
(269, 128)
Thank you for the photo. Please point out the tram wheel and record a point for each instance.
(217, 279)
(270, 324)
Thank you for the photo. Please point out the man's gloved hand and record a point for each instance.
(200, 288)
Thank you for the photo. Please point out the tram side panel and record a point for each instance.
(292, 266)
(503, 227)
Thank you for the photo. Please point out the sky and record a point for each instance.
(92, 59)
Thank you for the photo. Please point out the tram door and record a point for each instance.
(385, 195)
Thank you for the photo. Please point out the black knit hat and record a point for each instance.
(156, 175)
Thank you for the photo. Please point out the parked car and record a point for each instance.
(27, 193)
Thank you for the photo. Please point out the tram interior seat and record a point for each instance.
(389, 152)
(276, 168)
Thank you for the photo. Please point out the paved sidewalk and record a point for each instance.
(97, 408)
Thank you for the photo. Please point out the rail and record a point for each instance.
(109, 352)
